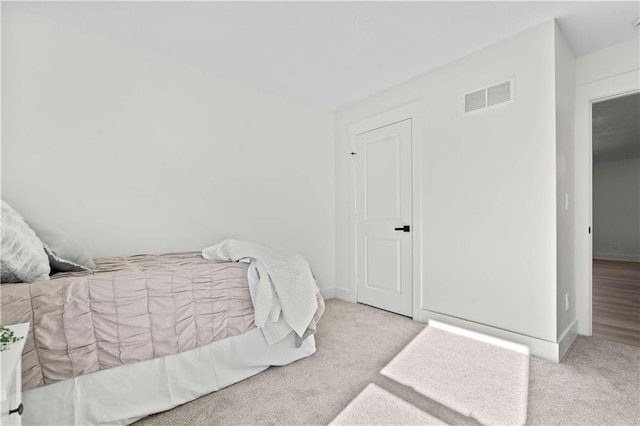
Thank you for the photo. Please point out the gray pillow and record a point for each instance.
(65, 254)
(23, 258)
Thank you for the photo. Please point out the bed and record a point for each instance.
(139, 335)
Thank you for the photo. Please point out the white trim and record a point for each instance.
(538, 348)
(586, 94)
(617, 256)
(417, 128)
(328, 293)
(411, 111)
(516, 347)
(345, 294)
(566, 339)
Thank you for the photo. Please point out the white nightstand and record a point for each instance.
(11, 377)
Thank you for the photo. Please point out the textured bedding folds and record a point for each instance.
(127, 310)
(285, 295)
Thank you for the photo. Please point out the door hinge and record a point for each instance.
(589, 229)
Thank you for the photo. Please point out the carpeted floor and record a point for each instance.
(478, 379)
(597, 383)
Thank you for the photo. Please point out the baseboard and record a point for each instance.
(538, 348)
(345, 294)
(328, 293)
(617, 256)
(566, 339)
(506, 344)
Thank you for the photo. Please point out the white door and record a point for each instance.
(383, 218)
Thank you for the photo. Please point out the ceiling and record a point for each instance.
(616, 129)
(333, 53)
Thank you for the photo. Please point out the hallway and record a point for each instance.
(616, 301)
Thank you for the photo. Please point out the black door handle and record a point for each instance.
(405, 228)
(18, 410)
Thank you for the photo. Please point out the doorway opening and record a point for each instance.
(616, 219)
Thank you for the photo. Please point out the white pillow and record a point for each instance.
(65, 254)
(23, 258)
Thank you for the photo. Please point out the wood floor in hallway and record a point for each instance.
(616, 301)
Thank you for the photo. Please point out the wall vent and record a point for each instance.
(499, 93)
(489, 96)
(475, 100)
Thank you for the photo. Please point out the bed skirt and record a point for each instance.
(128, 393)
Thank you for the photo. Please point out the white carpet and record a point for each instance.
(478, 379)
(376, 406)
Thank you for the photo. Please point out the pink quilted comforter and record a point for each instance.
(129, 309)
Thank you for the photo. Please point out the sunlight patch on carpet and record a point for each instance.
(478, 379)
(376, 406)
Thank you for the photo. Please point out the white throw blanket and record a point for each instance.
(284, 298)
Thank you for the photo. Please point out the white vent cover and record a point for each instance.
(499, 93)
(474, 100)
(489, 96)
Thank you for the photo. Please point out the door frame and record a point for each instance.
(586, 95)
(411, 111)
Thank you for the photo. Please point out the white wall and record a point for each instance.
(604, 63)
(488, 187)
(129, 152)
(601, 74)
(565, 65)
(616, 210)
